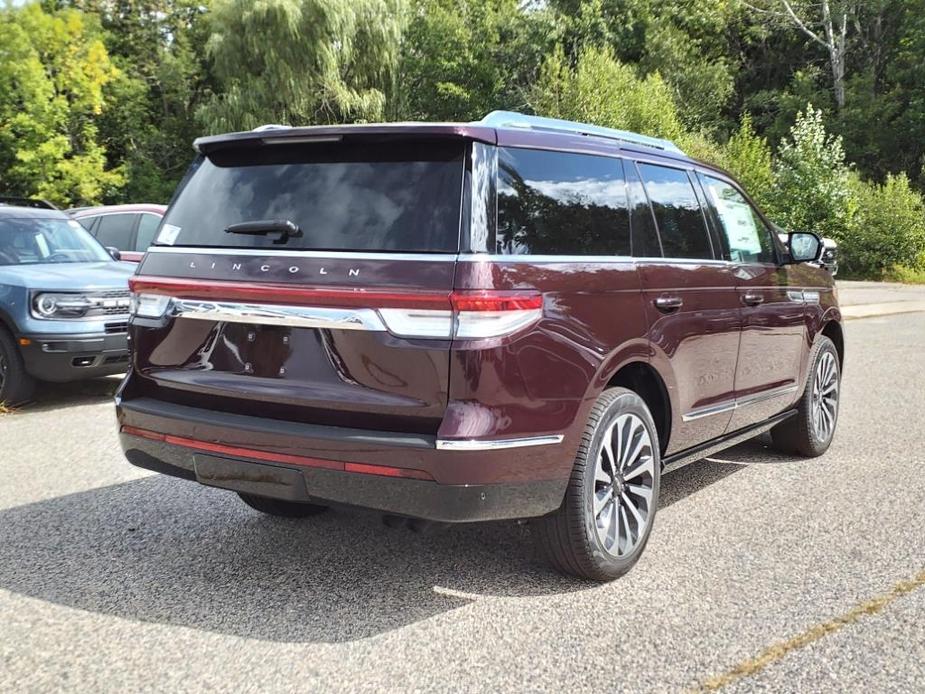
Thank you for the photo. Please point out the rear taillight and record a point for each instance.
(461, 314)
(472, 315)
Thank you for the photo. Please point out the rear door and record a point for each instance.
(343, 320)
(773, 326)
(116, 230)
(692, 307)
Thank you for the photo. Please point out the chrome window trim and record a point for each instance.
(270, 314)
(496, 444)
(729, 405)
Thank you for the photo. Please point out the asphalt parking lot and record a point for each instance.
(763, 573)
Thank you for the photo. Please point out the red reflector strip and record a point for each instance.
(288, 294)
(206, 446)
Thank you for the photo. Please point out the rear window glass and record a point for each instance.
(681, 225)
(344, 197)
(556, 203)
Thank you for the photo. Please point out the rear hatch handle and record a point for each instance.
(263, 227)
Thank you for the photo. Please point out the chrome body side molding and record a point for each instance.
(719, 408)
(496, 444)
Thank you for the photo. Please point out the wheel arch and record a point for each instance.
(644, 380)
(833, 330)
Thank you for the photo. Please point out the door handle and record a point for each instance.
(667, 304)
(752, 299)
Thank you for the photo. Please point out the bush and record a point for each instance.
(889, 230)
(812, 189)
(604, 91)
(747, 156)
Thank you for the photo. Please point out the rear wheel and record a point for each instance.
(280, 507)
(16, 385)
(811, 431)
(605, 520)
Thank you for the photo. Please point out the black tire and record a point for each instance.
(799, 435)
(280, 507)
(16, 386)
(571, 538)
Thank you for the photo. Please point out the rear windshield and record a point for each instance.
(344, 197)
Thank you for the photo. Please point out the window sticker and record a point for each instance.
(168, 234)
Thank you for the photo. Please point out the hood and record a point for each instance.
(68, 276)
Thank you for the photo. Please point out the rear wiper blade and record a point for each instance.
(262, 227)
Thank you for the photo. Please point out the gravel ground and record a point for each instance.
(112, 579)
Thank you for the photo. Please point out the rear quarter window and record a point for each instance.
(400, 196)
(557, 203)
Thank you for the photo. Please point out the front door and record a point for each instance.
(773, 343)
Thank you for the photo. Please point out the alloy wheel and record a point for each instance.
(825, 396)
(624, 477)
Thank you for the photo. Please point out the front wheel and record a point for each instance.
(605, 520)
(16, 385)
(811, 431)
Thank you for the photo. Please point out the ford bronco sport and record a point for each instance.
(515, 318)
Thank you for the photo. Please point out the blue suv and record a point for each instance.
(64, 302)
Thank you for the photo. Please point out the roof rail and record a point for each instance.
(35, 203)
(270, 126)
(512, 119)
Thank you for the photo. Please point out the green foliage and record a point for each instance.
(53, 71)
(889, 230)
(461, 59)
(812, 182)
(601, 90)
(301, 62)
(747, 156)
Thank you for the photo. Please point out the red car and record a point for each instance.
(130, 229)
(516, 318)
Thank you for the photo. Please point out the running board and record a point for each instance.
(704, 450)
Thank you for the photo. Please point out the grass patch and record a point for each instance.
(906, 275)
(5, 410)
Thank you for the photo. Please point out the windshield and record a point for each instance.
(348, 197)
(31, 241)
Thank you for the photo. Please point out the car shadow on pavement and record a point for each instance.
(52, 396)
(167, 551)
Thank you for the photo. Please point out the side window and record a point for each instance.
(555, 203)
(645, 239)
(746, 235)
(115, 230)
(89, 223)
(147, 227)
(680, 221)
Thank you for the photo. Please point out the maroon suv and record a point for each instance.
(516, 318)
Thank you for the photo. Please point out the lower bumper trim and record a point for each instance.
(415, 498)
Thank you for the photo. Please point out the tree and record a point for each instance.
(461, 59)
(826, 23)
(149, 123)
(53, 72)
(603, 91)
(812, 188)
(301, 62)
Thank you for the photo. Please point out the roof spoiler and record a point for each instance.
(512, 119)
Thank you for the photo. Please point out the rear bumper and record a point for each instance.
(61, 358)
(393, 473)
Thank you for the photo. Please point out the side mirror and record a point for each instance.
(114, 252)
(804, 246)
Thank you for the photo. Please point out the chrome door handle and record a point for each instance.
(667, 304)
(752, 299)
